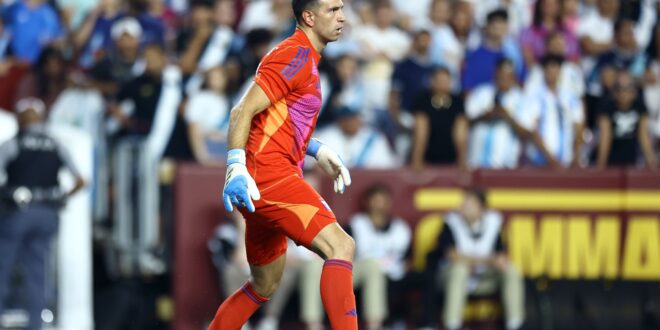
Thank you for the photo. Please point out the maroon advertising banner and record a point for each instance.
(573, 224)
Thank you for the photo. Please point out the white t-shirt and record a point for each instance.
(554, 116)
(469, 244)
(388, 247)
(209, 110)
(494, 144)
(258, 14)
(391, 41)
(411, 8)
(571, 78)
(8, 126)
(601, 29)
(368, 148)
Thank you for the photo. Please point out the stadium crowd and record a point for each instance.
(495, 84)
(500, 84)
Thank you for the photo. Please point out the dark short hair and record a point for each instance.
(503, 62)
(421, 31)
(441, 69)
(299, 6)
(208, 4)
(619, 23)
(497, 14)
(548, 59)
(258, 36)
(378, 188)
(479, 194)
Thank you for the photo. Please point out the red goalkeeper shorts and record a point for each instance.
(288, 208)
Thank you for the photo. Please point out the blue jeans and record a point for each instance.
(26, 235)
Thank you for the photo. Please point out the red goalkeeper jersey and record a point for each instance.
(279, 135)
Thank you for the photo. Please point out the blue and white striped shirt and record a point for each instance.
(494, 144)
(555, 116)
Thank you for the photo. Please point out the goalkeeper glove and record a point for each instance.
(331, 164)
(240, 188)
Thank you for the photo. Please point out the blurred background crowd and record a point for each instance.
(488, 84)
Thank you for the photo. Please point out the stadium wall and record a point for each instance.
(569, 225)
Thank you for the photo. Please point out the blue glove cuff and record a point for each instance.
(313, 147)
(235, 156)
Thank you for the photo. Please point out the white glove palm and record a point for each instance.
(332, 164)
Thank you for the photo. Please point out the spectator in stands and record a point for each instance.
(596, 29)
(547, 21)
(225, 13)
(382, 44)
(273, 15)
(48, 78)
(382, 241)
(93, 38)
(11, 70)
(242, 65)
(31, 198)
(383, 39)
(439, 14)
(497, 115)
(625, 53)
(448, 46)
(207, 114)
(652, 83)
(74, 12)
(33, 24)
(411, 76)
(470, 259)
(441, 129)
(480, 63)
(5, 40)
(518, 10)
(120, 64)
(570, 77)
(202, 46)
(143, 93)
(599, 94)
(348, 90)
(570, 13)
(153, 28)
(558, 115)
(161, 11)
(408, 12)
(624, 127)
(358, 145)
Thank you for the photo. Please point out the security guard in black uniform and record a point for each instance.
(29, 204)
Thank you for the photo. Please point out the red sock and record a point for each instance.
(235, 311)
(337, 294)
